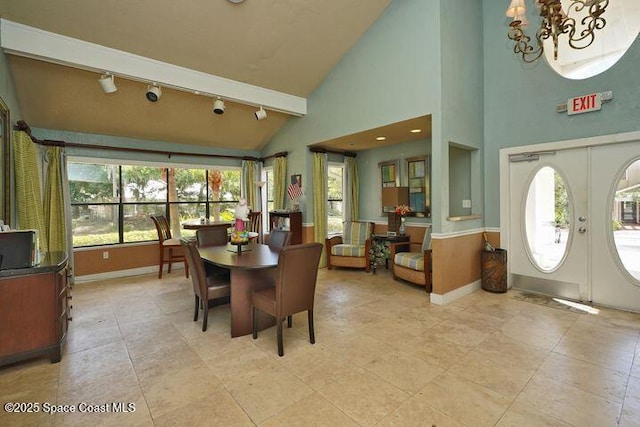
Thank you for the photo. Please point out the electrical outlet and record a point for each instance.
(466, 204)
(105, 255)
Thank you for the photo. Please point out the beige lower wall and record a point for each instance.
(90, 261)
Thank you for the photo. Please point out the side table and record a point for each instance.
(380, 249)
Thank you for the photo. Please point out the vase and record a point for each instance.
(402, 228)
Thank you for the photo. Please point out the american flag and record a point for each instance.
(294, 191)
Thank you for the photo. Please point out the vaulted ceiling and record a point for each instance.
(286, 46)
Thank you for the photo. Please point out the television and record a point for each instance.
(18, 249)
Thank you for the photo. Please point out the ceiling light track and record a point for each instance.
(30, 42)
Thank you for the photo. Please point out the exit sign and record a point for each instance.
(584, 104)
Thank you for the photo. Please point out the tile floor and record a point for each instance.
(384, 356)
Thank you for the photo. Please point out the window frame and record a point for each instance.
(341, 200)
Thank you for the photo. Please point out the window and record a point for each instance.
(335, 184)
(266, 196)
(111, 204)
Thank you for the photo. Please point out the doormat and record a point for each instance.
(546, 301)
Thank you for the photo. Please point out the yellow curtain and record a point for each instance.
(320, 201)
(352, 190)
(54, 214)
(249, 177)
(28, 194)
(279, 181)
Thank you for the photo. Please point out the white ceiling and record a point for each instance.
(287, 46)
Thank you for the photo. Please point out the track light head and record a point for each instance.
(154, 92)
(107, 83)
(260, 114)
(218, 106)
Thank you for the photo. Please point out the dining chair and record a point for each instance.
(279, 239)
(255, 225)
(212, 236)
(166, 246)
(294, 289)
(206, 288)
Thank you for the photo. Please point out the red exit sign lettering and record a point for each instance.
(584, 104)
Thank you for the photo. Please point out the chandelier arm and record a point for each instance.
(522, 45)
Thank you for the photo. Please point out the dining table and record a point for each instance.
(254, 268)
(196, 224)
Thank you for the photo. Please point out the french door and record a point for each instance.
(561, 222)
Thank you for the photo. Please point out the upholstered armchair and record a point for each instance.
(415, 266)
(352, 248)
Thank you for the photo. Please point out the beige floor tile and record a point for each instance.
(457, 333)
(32, 419)
(568, 403)
(464, 400)
(614, 336)
(595, 352)
(631, 409)
(586, 376)
(405, 370)
(437, 350)
(218, 409)
(313, 410)
(363, 396)
(543, 333)
(417, 412)
(519, 415)
(267, 393)
(357, 347)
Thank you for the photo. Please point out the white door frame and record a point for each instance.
(545, 146)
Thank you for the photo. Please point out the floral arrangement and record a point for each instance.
(402, 210)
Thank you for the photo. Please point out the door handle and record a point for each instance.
(582, 230)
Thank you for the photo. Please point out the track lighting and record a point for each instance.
(107, 83)
(260, 114)
(154, 92)
(218, 106)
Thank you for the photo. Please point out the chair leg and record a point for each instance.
(279, 333)
(205, 315)
(254, 328)
(170, 259)
(289, 321)
(197, 309)
(160, 264)
(186, 268)
(312, 335)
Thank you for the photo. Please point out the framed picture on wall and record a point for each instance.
(419, 177)
(389, 174)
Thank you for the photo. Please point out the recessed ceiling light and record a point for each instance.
(381, 138)
(416, 130)
(236, 1)
(351, 144)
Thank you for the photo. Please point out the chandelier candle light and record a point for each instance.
(556, 22)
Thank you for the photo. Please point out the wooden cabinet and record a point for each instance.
(34, 310)
(291, 221)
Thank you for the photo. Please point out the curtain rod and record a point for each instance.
(21, 125)
(324, 150)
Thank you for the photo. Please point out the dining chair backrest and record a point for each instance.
(212, 236)
(426, 242)
(196, 266)
(255, 221)
(162, 227)
(296, 278)
(279, 238)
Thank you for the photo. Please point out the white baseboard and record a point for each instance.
(122, 273)
(455, 294)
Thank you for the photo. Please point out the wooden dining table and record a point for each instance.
(252, 269)
(196, 224)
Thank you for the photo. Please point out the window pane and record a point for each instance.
(222, 211)
(93, 183)
(138, 227)
(547, 219)
(334, 217)
(626, 219)
(190, 184)
(335, 183)
(230, 188)
(144, 184)
(94, 225)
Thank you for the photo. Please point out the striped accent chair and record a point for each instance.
(352, 248)
(414, 267)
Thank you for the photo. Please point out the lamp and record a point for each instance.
(107, 83)
(392, 197)
(154, 92)
(218, 106)
(580, 30)
(260, 114)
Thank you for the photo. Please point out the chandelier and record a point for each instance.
(580, 30)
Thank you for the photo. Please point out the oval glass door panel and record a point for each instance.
(547, 219)
(626, 219)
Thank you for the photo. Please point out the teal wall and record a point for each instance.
(369, 172)
(7, 88)
(112, 141)
(389, 75)
(459, 180)
(520, 100)
(461, 116)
